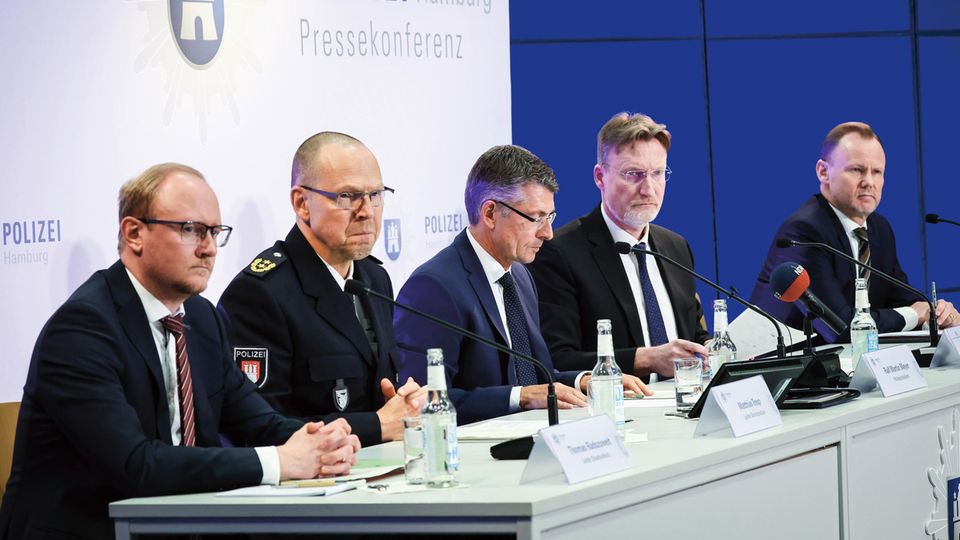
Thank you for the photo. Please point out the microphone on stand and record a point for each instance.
(513, 449)
(624, 249)
(934, 218)
(934, 336)
(790, 282)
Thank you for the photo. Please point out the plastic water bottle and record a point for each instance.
(722, 349)
(606, 381)
(863, 329)
(439, 421)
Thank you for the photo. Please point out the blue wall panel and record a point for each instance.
(766, 18)
(557, 118)
(576, 19)
(938, 14)
(772, 103)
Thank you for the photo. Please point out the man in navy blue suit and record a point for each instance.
(843, 215)
(132, 382)
(480, 283)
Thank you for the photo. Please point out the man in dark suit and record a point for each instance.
(653, 306)
(131, 382)
(843, 215)
(315, 351)
(480, 283)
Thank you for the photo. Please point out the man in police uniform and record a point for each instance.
(315, 351)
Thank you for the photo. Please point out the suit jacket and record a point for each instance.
(581, 279)
(94, 425)
(289, 305)
(453, 286)
(832, 278)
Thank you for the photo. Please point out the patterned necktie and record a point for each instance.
(863, 253)
(188, 428)
(658, 332)
(519, 334)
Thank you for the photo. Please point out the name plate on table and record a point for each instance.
(744, 406)
(894, 370)
(947, 354)
(580, 450)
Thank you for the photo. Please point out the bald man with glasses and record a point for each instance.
(315, 351)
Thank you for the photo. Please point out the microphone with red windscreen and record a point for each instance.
(790, 282)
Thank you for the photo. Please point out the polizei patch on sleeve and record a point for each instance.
(252, 361)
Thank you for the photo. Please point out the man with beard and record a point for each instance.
(850, 171)
(315, 351)
(654, 309)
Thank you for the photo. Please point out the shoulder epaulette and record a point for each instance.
(266, 262)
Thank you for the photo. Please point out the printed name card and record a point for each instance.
(744, 406)
(893, 369)
(947, 354)
(580, 450)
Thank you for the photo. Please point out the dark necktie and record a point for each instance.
(188, 430)
(863, 252)
(658, 332)
(366, 324)
(519, 334)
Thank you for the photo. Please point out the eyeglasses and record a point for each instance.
(353, 200)
(193, 233)
(539, 221)
(639, 175)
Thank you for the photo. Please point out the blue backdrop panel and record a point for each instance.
(940, 81)
(607, 19)
(938, 15)
(562, 95)
(766, 18)
(772, 102)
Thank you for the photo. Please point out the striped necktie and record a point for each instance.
(188, 429)
(863, 252)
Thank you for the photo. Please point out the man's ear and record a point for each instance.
(299, 203)
(487, 210)
(131, 232)
(822, 171)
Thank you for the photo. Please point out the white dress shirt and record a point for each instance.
(632, 268)
(910, 317)
(167, 352)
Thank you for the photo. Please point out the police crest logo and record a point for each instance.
(391, 238)
(197, 27)
(260, 265)
(252, 361)
(341, 395)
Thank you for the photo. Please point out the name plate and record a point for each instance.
(947, 354)
(580, 450)
(894, 370)
(743, 406)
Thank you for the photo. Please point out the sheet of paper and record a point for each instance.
(499, 429)
(275, 491)
(753, 334)
(650, 403)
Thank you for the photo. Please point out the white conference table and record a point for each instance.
(863, 470)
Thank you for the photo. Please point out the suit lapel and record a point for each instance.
(478, 280)
(133, 320)
(332, 304)
(605, 255)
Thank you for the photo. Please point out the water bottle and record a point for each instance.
(722, 349)
(605, 390)
(439, 420)
(863, 329)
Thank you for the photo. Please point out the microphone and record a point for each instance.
(790, 283)
(357, 288)
(934, 218)
(624, 249)
(934, 336)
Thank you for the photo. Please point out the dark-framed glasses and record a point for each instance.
(194, 232)
(538, 221)
(639, 175)
(352, 200)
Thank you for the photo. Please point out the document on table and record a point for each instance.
(753, 334)
(499, 428)
(283, 491)
(660, 398)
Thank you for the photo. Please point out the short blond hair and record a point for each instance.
(137, 194)
(842, 130)
(624, 128)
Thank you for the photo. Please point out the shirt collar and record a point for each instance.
(341, 281)
(848, 224)
(154, 308)
(493, 269)
(620, 235)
